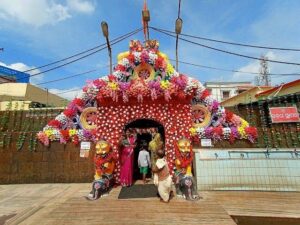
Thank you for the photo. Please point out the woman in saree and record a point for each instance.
(127, 151)
(155, 145)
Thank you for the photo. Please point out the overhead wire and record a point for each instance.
(230, 43)
(232, 70)
(82, 57)
(77, 89)
(227, 52)
(68, 77)
(71, 76)
(80, 53)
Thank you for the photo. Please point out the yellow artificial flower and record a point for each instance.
(48, 132)
(170, 69)
(242, 132)
(241, 129)
(244, 123)
(72, 132)
(164, 84)
(113, 85)
(193, 131)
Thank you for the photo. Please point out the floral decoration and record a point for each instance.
(166, 87)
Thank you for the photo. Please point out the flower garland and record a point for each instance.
(226, 133)
(21, 140)
(100, 160)
(186, 159)
(32, 142)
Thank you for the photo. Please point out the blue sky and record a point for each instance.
(37, 32)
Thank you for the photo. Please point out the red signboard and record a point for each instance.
(284, 114)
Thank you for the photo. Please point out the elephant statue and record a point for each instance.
(185, 183)
(101, 187)
(186, 188)
(104, 161)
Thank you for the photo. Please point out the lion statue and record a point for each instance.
(185, 183)
(104, 161)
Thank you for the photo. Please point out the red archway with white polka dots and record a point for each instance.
(175, 117)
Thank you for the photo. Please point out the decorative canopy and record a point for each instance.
(145, 75)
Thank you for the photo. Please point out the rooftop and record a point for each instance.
(227, 83)
(279, 88)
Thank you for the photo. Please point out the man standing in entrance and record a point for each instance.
(164, 177)
(144, 161)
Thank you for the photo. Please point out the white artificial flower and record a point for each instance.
(152, 57)
(137, 57)
(62, 118)
(125, 62)
(119, 75)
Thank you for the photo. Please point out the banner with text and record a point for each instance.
(284, 114)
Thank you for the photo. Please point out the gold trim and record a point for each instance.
(83, 121)
(143, 66)
(207, 116)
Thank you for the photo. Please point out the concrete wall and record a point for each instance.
(245, 97)
(28, 92)
(247, 170)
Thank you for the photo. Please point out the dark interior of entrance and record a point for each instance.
(143, 137)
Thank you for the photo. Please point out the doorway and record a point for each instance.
(145, 128)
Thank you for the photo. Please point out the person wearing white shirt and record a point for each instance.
(144, 162)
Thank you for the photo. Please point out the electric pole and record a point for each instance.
(263, 79)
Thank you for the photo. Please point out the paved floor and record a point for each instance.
(65, 204)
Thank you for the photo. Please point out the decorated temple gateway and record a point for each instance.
(147, 96)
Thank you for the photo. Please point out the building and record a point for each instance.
(224, 90)
(6, 79)
(284, 89)
(25, 96)
(11, 75)
(245, 97)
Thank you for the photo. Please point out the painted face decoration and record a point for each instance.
(184, 145)
(102, 147)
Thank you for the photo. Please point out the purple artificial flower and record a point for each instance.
(208, 132)
(144, 56)
(234, 132)
(124, 86)
(215, 105)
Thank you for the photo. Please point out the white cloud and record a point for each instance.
(252, 67)
(33, 12)
(23, 67)
(69, 93)
(42, 12)
(278, 28)
(81, 6)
